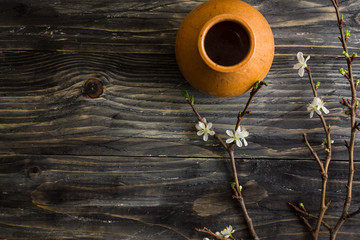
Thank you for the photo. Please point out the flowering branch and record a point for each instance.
(353, 105)
(225, 234)
(317, 106)
(190, 101)
(237, 137)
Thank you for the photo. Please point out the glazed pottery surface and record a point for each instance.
(224, 46)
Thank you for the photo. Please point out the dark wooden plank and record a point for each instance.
(47, 197)
(128, 165)
(151, 26)
(43, 109)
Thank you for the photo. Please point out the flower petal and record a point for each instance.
(239, 129)
(297, 66)
(199, 133)
(325, 110)
(209, 125)
(300, 57)
(204, 119)
(301, 72)
(198, 127)
(201, 125)
(229, 140)
(245, 142)
(238, 143)
(308, 57)
(311, 114)
(317, 101)
(205, 137)
(245, 133)
(212, 133)
(318, 111)
(230, 133)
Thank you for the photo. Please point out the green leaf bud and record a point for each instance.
(346, 54)
(301, 205)
(317, 84)
(265, 83)
(343, 71)
(256, 85)
(185, 94)
(233, 184)
(347, 33)
(192, 99)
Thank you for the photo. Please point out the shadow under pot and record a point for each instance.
(223, 47)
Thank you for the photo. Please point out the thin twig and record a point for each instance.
(198, 116)
(353, 214)
(323, 170)
(351, 145)
(238, 193)
(311, 81)
(208, 231)
(308, 215)
(242, 114)
(230, 149)
(321, 165)
(307, 224)
(240, 198)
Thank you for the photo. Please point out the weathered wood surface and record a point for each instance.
(128, 165)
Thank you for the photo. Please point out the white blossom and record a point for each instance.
(227, 232)
(238, 137)
(317, 106)
(204, 129)
(301, 65)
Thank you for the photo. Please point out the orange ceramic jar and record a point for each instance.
(224, 46)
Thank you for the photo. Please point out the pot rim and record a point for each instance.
(201, 42)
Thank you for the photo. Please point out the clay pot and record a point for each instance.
(224, 46)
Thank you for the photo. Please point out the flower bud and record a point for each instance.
(347, 33)
(343, 71)
(346, 54)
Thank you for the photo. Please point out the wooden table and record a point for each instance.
(126, 163)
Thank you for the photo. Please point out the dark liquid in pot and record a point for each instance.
(227, 43)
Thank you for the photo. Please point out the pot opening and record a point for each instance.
(227, 43)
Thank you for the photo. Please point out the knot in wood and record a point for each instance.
(33, 171)
(93, 88)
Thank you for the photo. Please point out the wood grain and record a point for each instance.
(43, 110)
(157, 198)
(129, 165)
(151, 26)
